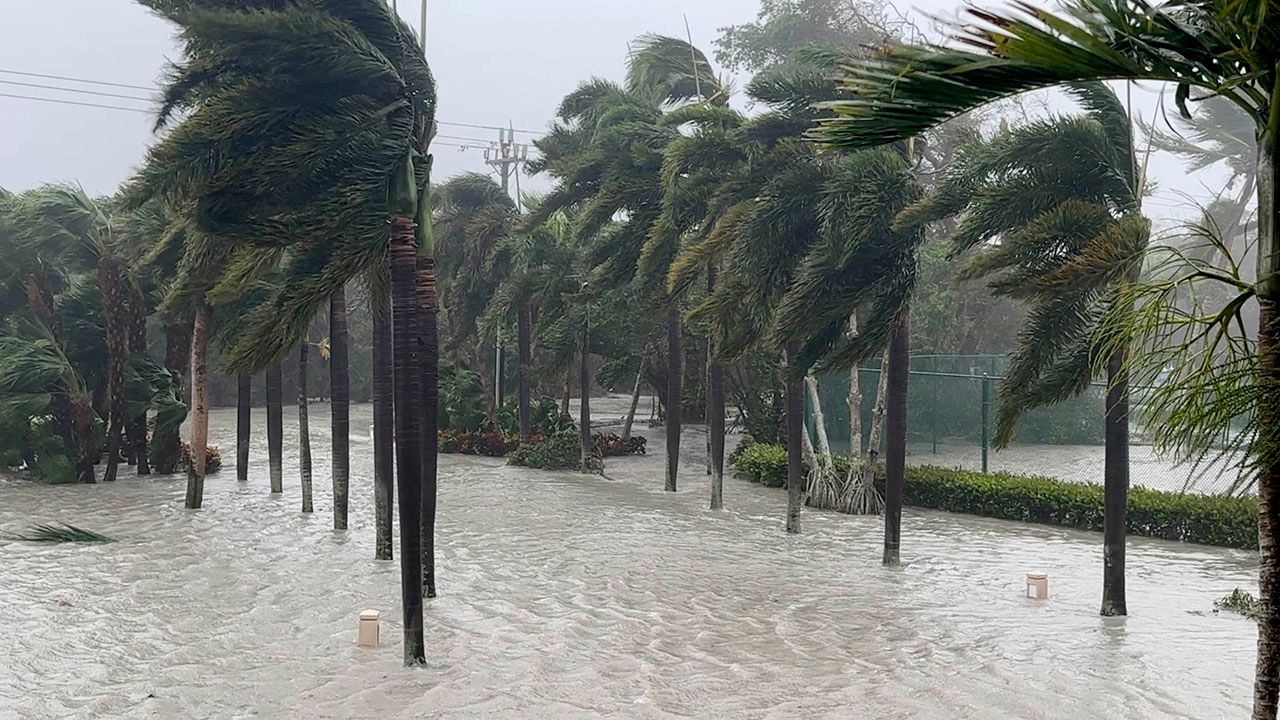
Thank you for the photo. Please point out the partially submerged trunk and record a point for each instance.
(795, 441)
(275, 427)
(635, 402)
(136, 430)
(340, 405)
(115, 315)
(166, 444)
(716, 411)
(854, 401)
(428, 318)
(383, 427)
(408, 448)
(584, 405)
(674, 382)
(1116, 486)
(895, 455)
(244, 406)
(304, 431)
(199, 407)
(523, 342)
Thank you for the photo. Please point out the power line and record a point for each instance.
(76, 102)
(153, 88)
(75, 90)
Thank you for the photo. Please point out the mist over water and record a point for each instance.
(567, 595)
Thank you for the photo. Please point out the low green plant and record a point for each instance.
(1205, 519)
(60, 533)
(1240, 601)
(558, 451)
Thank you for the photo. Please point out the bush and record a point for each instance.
(1209, 520)
(212, 458)
(490, 443)
(561, 451)
(612, 445)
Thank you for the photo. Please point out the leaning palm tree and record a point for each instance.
(1052, 213)
(1217, 48)
(246, 168)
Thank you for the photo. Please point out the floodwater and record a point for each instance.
(572, 596)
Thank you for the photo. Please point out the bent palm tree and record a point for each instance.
(1227, 49)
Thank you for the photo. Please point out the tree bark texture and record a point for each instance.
(895, 450)
(795, 441)
(136, 431)
(199, 407)
(115, 303)
(304, 431)
(340, 405)
(275, 427)
(428, 316)
(635, 403)
(523, 351)
(674, 376)
(716, 410)
(177, 360)
(1115, 486)
(383, 427)
(244, 410)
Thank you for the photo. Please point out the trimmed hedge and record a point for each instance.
(1204, 519)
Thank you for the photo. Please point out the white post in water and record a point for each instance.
(368, 636)
(1037, 586)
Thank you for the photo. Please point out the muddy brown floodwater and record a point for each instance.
(567, 596)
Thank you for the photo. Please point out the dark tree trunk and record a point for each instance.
(408, 367)
(795, 444)
(523, 332)
(1116, 486)
(635, 402)
(199, 406)
(137, 429)
(429, 427)
(895, 441)
(715, 409)
(383, 427)
(674, 358)
(244, 408)
(304, 431)
(275, 427)
(584, 404)
(1267, 678)
(340, 405)
(115, 311)
(177, 360)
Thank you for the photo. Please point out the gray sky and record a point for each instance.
(496, 62)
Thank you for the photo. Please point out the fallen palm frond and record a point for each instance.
(59, 533)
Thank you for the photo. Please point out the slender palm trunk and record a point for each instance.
(408, 368)
(795, 441)
(674, 377)
(584, 405)
(114, 303)
(715, 406)
(304, 431)
(523, 333)
(635, 402)
(564, 399)
(1267, 680)
(136, 432)
(275, 427)
(244, 406)
(1116, 486)
(340, 405)
(199, 406)
(854, 400)
(383, 427)
(429, 425)
(895, 450)
(177, 360)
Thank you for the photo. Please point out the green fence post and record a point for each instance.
(986, 418)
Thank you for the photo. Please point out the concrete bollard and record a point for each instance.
(368, 636)
(1038, 586)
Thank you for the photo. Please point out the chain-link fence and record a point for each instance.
(951, 418)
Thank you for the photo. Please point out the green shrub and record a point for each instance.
(560, 451)
(1205, 519)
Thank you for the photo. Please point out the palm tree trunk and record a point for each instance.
(114, 303)
(523, 332)
(715, 406)
(408, 367)
(136, 432)
(1116, 486)
(635, 402)
(895, 451)
(854, 400)
(340, 405)
(1267, 678)
(795, 441)
(244, 406)
(304, 431)
(584, 405)
(674, 366)
(564, 400)
(177, 360)
(429, 426)
(275, 427)
(200, 407)
(383, 426)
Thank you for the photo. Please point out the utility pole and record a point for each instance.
(506, 156)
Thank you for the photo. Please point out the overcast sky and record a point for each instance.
(496, 62)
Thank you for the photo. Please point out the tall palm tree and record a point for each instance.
(304, 429)
(275, 427)
(1063, 199)
(378, 285)
(340, 405)
(1227, 49)
(246, 168)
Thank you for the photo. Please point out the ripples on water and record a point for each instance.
(575, 596)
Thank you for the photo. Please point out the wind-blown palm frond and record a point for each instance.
(671, 71)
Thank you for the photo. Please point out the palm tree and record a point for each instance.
(244, 407)
(1226, 49)
(304, 430)
(377, 283)
(340, 405)
(275, 427)
(247, 168)
(1062, 197)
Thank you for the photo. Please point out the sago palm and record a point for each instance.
(1210, 47)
